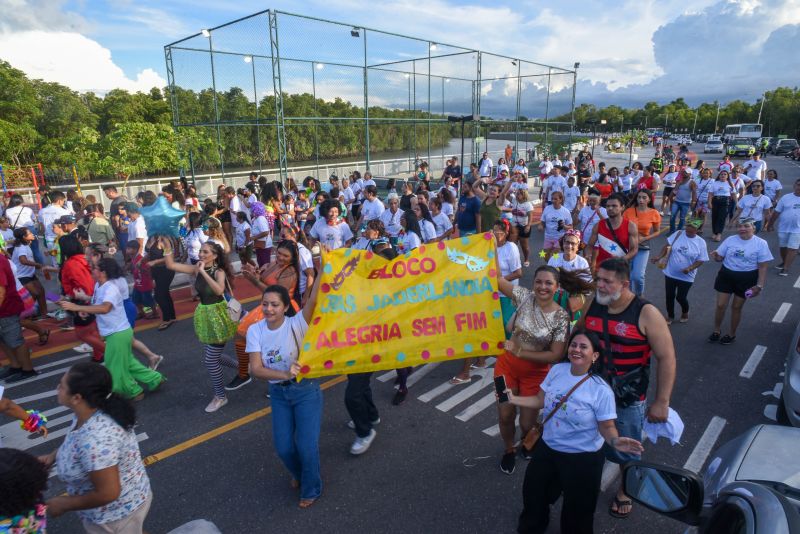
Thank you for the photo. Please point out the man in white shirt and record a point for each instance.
(485, 165)
(48, 215)
(755, 168)
(137, 231)
(545, 167)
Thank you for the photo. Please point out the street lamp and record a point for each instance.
(594, 123)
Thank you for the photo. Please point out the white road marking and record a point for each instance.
(62, 361)
(385, 377)
(477, 407)
(797, 283)
(420, 372)
(31, 398)
(467, 392)
(42, 376)
(705, 444)
(610, 475)
(753, 361)
(447, 386)
(780, 315)
(771, 412)
(494, 430)
(776, 391)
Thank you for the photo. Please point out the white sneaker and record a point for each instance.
(352, 426)
(216, 403)
(360, 445)
(83, 347)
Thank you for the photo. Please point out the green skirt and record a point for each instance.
(212, 324)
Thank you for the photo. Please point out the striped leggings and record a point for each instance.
(214, 360)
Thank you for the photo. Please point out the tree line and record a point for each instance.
(131, 134)
(780, 115)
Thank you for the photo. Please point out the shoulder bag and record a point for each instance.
(535, 432)
(234, 306)
(625, 387)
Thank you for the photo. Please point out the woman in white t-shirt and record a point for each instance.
(744, 258)
(20, 216)
(261, 233)
(112, 323)
(409, 237)
(195, 237)
(441, 222)
(720, 196)
(555, 221)
(669, 180)
(273, 345)
(520, 168)
(426, 226)
(683, 253)
(522, 218)
(591, 214)
(330, 230)
(755, 206)
(578, 411)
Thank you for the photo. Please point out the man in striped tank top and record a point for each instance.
(631, 330)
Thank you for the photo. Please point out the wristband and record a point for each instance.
(35, 421)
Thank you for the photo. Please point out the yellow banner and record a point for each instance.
(438, 302)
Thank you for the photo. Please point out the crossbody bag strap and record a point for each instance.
(614, 235)
(564, 398)
(585, 226)
(608, 361)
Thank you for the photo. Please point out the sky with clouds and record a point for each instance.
(630, 51)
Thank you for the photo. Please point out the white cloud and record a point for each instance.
(71, 59)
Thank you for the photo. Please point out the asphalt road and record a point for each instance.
(434, 464)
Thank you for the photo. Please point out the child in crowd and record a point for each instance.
(142, 294)
(6, 232)
(244, 243)
(301, 208)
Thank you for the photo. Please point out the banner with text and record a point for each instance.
(438, 302)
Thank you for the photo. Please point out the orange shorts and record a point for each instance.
(522, 376)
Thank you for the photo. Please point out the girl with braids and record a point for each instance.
(112, 323)
(99, 460)
(285, 272)
(213, 326)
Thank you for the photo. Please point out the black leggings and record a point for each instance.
(719, 214)
(163, 278)
(551, 473)
(676, 289)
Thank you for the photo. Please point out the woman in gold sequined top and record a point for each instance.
(538, 339)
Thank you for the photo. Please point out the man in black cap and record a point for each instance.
(66, 224)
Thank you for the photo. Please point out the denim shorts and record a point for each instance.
(629, 425)
(11, 331)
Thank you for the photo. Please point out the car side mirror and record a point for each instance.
(673, 492)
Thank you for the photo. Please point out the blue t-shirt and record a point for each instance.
(468, 207)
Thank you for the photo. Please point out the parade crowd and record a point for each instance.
(580, 339)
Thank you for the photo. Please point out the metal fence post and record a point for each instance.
(276, 86)
(216, 106)
(366, 101)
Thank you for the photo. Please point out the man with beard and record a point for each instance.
(631, 330)
(614, 237)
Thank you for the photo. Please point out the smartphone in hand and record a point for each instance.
(500, 388)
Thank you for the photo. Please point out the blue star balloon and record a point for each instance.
(161, 218)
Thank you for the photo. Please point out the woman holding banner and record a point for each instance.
(274, 347)
(539, 330)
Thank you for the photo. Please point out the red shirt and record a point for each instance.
(12, 303)
(75, 274)
(607, 245)
(142, 279)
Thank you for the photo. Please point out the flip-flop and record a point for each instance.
(164, 326)
(43, 337)
(306, 503)
(159, 359)
(616, 513)
(457, 380)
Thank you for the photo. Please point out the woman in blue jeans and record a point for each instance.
(683, 197)
(274, 345)
(648, 223)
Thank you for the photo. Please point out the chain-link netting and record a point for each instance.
(290, 95)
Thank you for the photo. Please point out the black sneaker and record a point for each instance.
(714, 337)
(507, 463)
(9, 372)
(238, 382)
(22, 375)
(727, 340)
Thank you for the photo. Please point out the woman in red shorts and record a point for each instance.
(538, 339)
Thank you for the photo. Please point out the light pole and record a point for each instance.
(572, 115)
(716, 121)
(694, 127)
(763, 98)
(463, 119)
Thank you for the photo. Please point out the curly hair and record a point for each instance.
(23, 479)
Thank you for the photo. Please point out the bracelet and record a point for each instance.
(168, 253)
(34, 422)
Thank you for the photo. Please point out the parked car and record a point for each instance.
(740, 146)
(712, 147)
(789, 403)
(714, 137)
(784, 146)
(751, 485)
